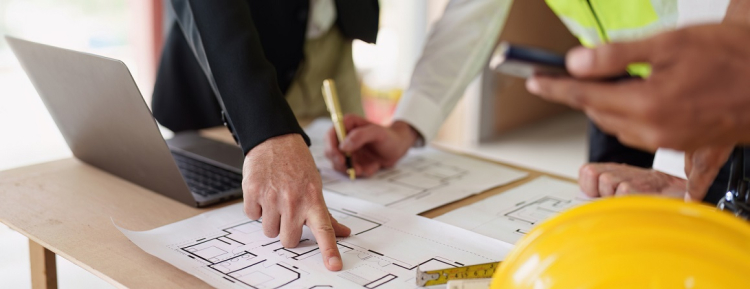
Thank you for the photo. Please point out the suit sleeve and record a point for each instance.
(226, 44)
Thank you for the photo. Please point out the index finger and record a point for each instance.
(352, 121)
(611, 97)
(319, 222)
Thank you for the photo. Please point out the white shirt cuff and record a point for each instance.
(421, 113)
(670, 162)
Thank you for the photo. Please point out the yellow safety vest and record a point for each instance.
(600, 21)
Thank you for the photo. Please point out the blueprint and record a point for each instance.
(510, 215)
(424, 179)
(227, 250)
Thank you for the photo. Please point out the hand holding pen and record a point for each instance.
(372, 147)
(334, 107)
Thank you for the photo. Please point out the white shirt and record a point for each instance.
(321, 18)
(458, 49)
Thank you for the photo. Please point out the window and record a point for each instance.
(119, 29)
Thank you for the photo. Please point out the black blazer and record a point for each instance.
(247, 53)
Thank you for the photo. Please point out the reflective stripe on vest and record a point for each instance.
(599, 21)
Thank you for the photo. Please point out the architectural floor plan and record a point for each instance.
(227, 250)
(510, 215)
(424, 179)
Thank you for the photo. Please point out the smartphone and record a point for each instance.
(524, 62)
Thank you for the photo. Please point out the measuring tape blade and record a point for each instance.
(437, 277)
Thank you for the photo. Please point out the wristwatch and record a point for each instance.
(737, 198)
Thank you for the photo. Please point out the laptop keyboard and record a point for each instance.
(205, 179)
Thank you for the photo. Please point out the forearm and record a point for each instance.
(225, 42)
(456, 51)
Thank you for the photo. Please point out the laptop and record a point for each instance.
(106, 123)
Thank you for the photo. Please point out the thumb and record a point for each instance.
(698, 184)
(332, 140)
(362, 136)
(607, 60)
(705, 165)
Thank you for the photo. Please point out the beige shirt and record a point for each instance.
(327, 55)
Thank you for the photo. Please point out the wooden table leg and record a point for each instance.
(43, 267)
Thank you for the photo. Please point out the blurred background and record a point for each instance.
(110, 28)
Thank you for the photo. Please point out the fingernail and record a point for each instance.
(580, 59)
(334, 262)
(532, 85)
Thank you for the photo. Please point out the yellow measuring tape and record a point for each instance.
(437, 277)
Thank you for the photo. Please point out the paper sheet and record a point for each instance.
(227, 250)
(510, 215)
(424, 179)
(670, 162)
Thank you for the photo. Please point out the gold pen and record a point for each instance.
(334, 107)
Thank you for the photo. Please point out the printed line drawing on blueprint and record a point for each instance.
(424, 179)
(510, 215)
(227, 250)
(536, 211)
(414, 178)
(231, 255)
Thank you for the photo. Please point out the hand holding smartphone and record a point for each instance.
(525, 62)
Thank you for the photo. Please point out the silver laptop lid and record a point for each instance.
(102, 115)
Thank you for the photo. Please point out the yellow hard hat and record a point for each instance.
(632, 242)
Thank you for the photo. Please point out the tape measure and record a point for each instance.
(438, 277)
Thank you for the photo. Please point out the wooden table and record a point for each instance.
(67, 208)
